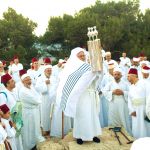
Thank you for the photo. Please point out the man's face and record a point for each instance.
(48, 72)
(135, 63)
(7, 115)
(27, 81)
(81, 56)
(16, 60)
(131, 78)
(145, 75)
(11, 84)
(108, 57)
(123, 54)
(117, 75)
(36, 64)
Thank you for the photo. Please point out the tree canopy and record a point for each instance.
(122, 27)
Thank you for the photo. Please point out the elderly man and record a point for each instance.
(79, 98)
(46, 85)
(30, 114)
(137, 98)
(116, 92)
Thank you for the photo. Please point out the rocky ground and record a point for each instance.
(108, 142)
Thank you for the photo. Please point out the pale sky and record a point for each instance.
(41, 10)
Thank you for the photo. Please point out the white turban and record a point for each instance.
(117, 69)
(107, 53)
(47, 66)
(24, 76)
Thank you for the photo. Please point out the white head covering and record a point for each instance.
(72, 64)
(24, 76)
(47, 66)
(107, 53)
(136, 59)
(117, 69)
(61, 61)
(141, 144)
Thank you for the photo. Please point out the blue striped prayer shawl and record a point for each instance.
(71, 82)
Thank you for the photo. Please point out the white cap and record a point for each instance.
(61, 61)
(107, 53)
(145, 69)
(47, 66)
(24, 76)
(136, 59)
(117, 69)
(141, 144)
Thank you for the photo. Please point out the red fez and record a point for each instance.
(21, 72)
(146, 69)
(47, 60)
(133, 71)
(4, 108)
(4, 62)
(142, 55)
(15, 57)
(34, 60)
(5, 78)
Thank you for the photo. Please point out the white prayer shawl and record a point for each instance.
(15, 71)
(137, 103)
(9, 98)
(118, 108)
(74, 87)
(73, 64)
(31, 117)
(11, 132)
(3, 134)
(48, 96)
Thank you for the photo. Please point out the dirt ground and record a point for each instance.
(108, 142)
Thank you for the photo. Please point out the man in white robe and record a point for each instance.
(116, 92)
(9, 126)
(137, 104)
(30, 114)
(46, 85)
(16, 66)
(9, 97)
(125, 64)
(107, 78)
(34, 73)
(108, 61)
(79, 97)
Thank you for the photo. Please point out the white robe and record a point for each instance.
(16, 90)
(9, 99)
(125, 64)
(48, 95)
(118, 114)
(11, 132)
(103, 115)
(86, 120)
(31, 118)
(15, 71)
(3, 134)
(34, 74)
(137, 103)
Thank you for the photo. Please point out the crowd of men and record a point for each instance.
(32, 101)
